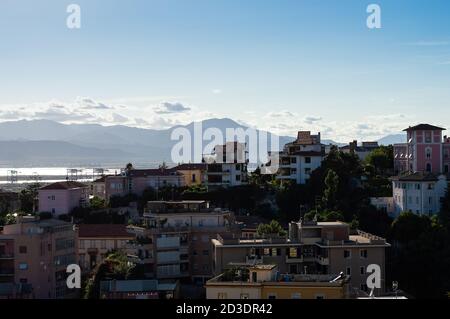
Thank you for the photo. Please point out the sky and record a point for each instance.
(283, 66)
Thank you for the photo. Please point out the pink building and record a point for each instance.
(136, 181)
(425, 151)
(62, 197)
(34, 255)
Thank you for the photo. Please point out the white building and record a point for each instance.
(299, 158)
(227, 165)
(383, 204)
(419, 193)
(362, 151)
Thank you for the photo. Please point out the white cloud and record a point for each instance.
(171, 107)
(216, 91)
(90, 104)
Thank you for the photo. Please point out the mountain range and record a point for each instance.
(45, 142)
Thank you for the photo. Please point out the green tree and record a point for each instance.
(272, 229)
(331, 189)
(28, 198)
(97, 203)
(382, 159)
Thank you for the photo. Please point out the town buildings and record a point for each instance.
(299, 158)
(362, 151)
(264, 281)
(425, 151)
(422, 165)
(419, 193)
(95, 241)
(227, 165)
(312, 248)
(174, 239)
(138, 289)
(136, 181)
(34, 255)
(62, 197)
(193, 173)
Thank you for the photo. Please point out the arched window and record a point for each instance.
(428, 167)
(428, 153)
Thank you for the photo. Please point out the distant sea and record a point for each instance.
(51, 174)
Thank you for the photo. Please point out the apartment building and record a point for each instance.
(62, 197)
(264, 281)
(384, 204)
(193, 173)
(227, 165)
(425, 151)
(312, 248)
(419, 193)
(362, 151)
(299, 158)
(34, 255)
(173, 240)
(136, 181)
(138, 289)
(95, 241)
(422, 165)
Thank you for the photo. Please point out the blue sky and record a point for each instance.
(279, 65)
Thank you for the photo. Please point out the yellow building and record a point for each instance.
(193, 174)
(265, 282)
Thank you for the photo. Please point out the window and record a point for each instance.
(446, 169)
(364, 287)
(194, 253)
(430, 186)
(292, 252)
(245, 296)
(347, 254)
(293, 160)
(238, 178)
(272, 296)
(307, 171)
(238, 167)
(348, 271)
(320, 296)
(363, 253)
(222, 295)
(23, 266)
(428, 167)
(194, 178)
(428, 153)
(296, 295)
(362, 271)
(23, 249)
(307, 160)
(206, 253)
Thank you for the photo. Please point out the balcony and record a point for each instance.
(324, 261)
(7, 271)
(251, 260)
(294, 260)
(140, 260)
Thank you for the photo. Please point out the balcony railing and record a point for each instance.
(7, 271)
